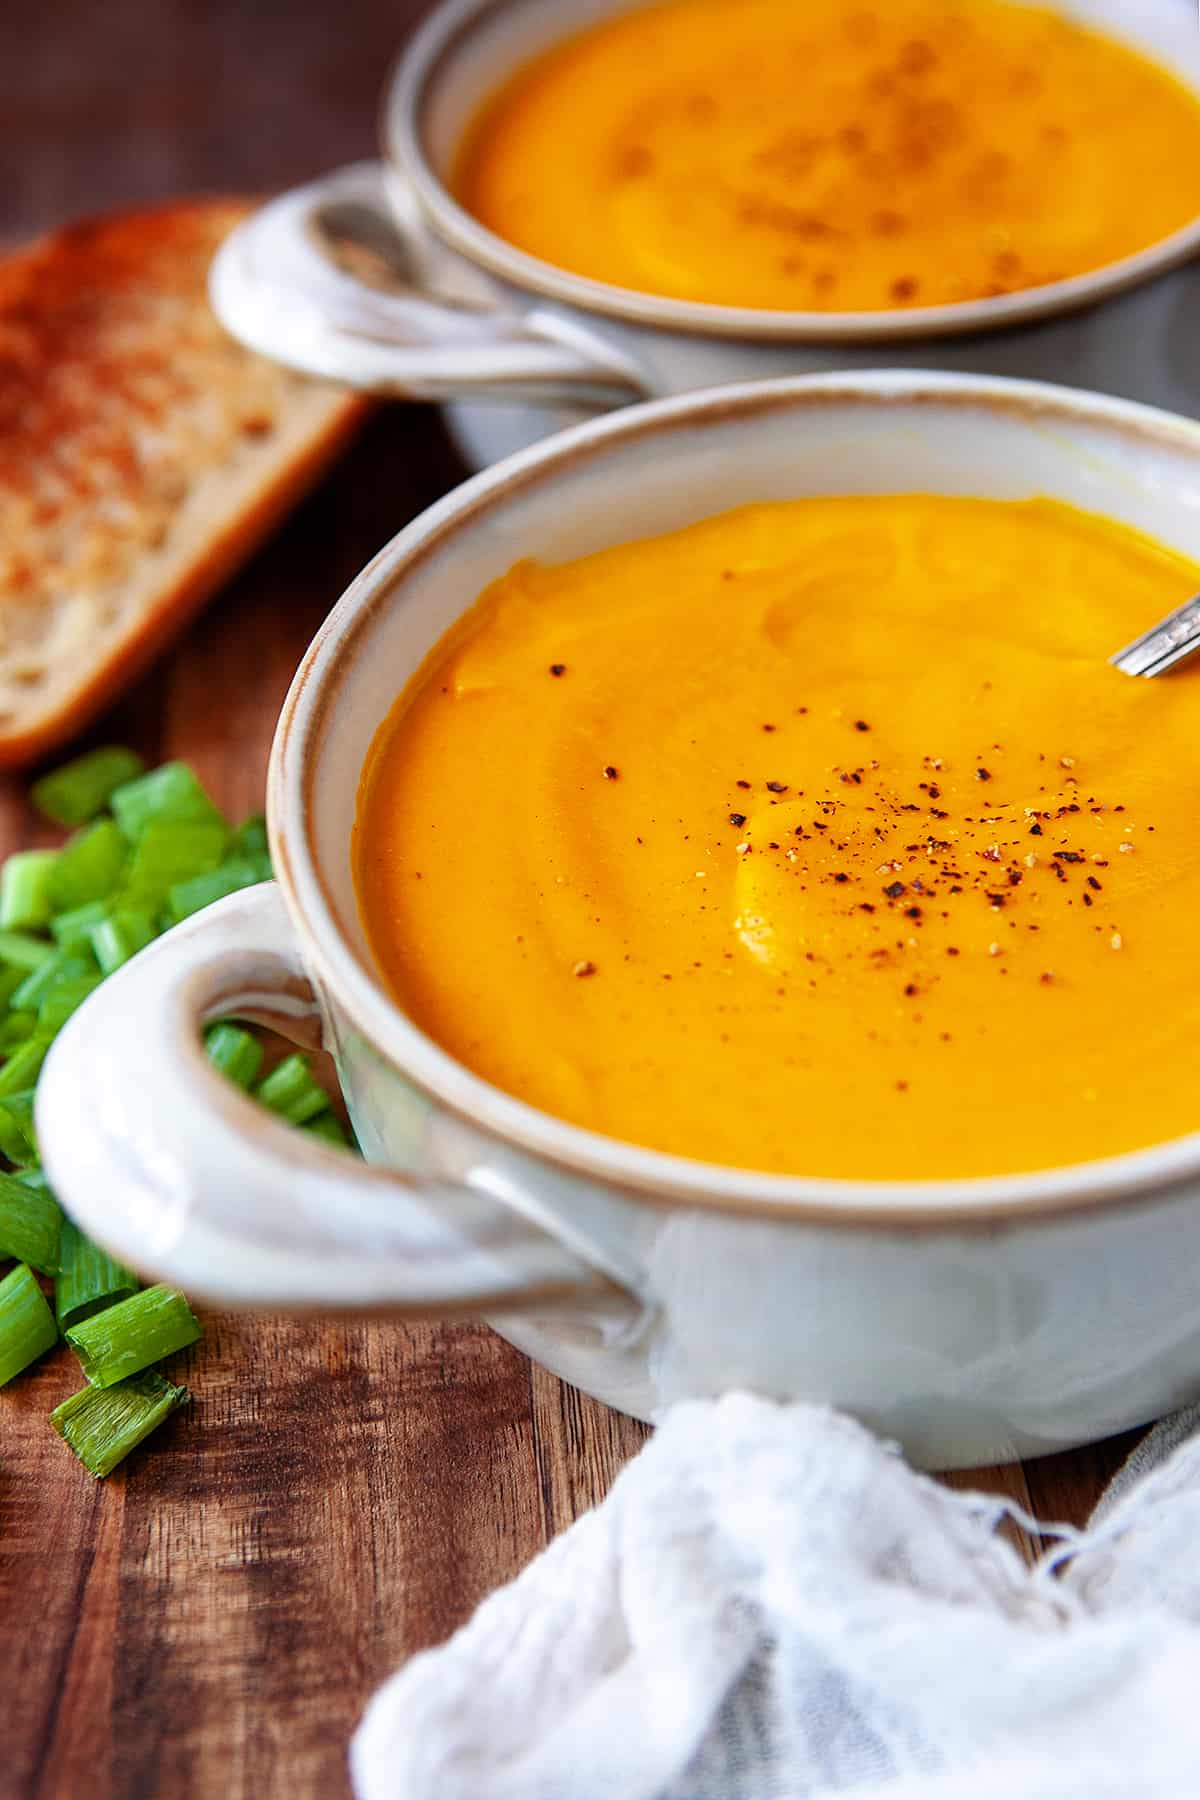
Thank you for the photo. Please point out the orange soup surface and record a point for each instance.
(818, 837)
(835, 155)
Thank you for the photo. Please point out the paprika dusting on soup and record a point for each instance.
(834, 155)
(938, 922)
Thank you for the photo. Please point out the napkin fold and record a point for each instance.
(771, 1605)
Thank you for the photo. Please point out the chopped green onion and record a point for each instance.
(89, 867)
(15, 1028)
(102, 1425)
(73, 930)
(30, 1225)
(188, 897)
(89, 1279)
(17, 1139)
(21, 1069)
(121, 936)
(290, 1091)
(27, 1328)
(170, 795)
(250, 841)
(79, 790)
(250, 838)
(18, 951)
(166, 854)
(64, 965)
(133, 1334)
(25, 889)
(10, 981)
(234, 1052)
(327, 1125)
(64, 998)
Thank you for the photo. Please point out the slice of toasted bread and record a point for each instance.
(143, 455)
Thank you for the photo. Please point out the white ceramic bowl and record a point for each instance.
(973, 1320)
(519, 348)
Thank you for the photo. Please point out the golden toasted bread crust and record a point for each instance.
(143, 454)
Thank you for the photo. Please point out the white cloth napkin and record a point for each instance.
(770, 1604)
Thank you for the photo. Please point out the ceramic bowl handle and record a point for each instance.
(177, 1172)
(341, 279)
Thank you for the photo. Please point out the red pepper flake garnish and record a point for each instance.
(584, 968)
(558, 668)
(1093, 883)
(1035, 831)
(902, 1087)
(861, 725)
(983, 774)
(894, 889)
(768, 728)
(951, 950)
(1046, 977)
(910, 990)
(610, 774)
(777, 787)
(743, 784)
(1070, 856)
(738, 819)
(913, 912)
(1015, 878)
(841, 878)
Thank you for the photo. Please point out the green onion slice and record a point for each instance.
(27, 1328)
(15, 1028)
(290, 1091)
(64, 998)
(30, 1225)
(102, 1425)
(233, 1051)
(188, 897)
(89, 867)
(120, 936)
(79, 790)
(250, 838)
(166, 854)
(170, 795)
(25, 890)
(73, 930)
(64, 965)
(130, 1336)
(20, 951)
(328, 1126)
(89, 1279)
(17, 1140)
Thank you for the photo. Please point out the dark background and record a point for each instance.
(105, 102)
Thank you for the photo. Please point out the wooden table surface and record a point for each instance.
(210, 1620)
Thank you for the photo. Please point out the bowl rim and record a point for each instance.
(434, 43)
(1149, 1174)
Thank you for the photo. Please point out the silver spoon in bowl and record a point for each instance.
(1165, 644)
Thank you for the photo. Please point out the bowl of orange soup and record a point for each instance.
(752, 919)
(587, 201)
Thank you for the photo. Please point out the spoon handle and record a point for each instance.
(1165, 644)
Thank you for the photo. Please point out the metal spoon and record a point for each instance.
(1169, 642)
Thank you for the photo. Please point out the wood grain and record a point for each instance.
(209, 1622)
